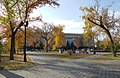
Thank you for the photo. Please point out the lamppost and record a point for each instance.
(26, 25)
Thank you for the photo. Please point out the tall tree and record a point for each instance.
(77, 41)
(15, 13)
(41, 45)
(59, 35)
(46, 34)
(33, 36)
(95, 16)
(68, 45)
(72, 46)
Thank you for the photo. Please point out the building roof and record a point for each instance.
(72, 34)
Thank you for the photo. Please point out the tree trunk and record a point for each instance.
(46, 48)
(112, 43)
(113, 51)
(12, 51)
(34, 47)
(14, 47)
(0, 57)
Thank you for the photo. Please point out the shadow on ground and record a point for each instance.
(8, 74)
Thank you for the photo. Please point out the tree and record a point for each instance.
(106, 43)
(41, 45)
(101, 18)
(33, 36)
(15, 14)
(46, 34)
(68, 45)
(73, 47)
(1, 47)
(59, 35)
(97, 33)
(10, 16)
(19, 40)
(77, 42)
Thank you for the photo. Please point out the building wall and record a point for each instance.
(83, 43)
(71, 37)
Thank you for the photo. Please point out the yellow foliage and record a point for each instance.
(106, 42)
(53, 47)
(89, 13)
(58, 41)
(57, 31)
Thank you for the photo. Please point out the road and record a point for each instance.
(49, 67)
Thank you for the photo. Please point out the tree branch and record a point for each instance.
(11, 26)
(14, 4)
(21, 24)
(93, 22)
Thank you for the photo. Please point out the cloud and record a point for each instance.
(71, 26)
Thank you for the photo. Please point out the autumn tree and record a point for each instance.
(77, 41)
(19, 40)
(106, 43)
(59, 35)
(33, 36)
(9, 17)
(6, 36)
(97, 16)
(41, 45)
(46, 34)
(98, 32)
(51, 41)
(15, 14)
(1, 46)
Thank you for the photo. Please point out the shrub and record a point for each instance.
(70, 52)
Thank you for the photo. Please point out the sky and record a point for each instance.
(68, 13)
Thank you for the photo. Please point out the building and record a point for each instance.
(78, 40)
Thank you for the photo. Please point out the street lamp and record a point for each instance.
(26, 25)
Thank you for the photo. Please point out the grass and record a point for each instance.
(17, 63)
(65, 56)
(107, 57)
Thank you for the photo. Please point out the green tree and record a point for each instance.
(68, 45)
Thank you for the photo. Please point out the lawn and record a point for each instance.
(17, 63)
(65, 56)
(108, 57)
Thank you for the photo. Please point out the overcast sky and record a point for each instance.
(68, 13)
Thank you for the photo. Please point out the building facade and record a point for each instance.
(78, 40)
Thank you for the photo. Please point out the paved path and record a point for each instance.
(47, 67)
